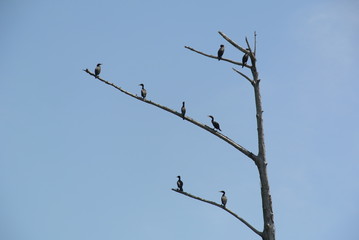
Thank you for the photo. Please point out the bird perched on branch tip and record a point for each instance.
(98, 69)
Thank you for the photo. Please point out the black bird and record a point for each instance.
(180, 184)
(98, 69)
(183, 110)
(245, 58)
(214, 123)
(220, 52)
(223, 199)
(143, 91)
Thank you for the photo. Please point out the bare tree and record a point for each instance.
(259, 159)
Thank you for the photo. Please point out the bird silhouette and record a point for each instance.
(98, 69)
(180, 184)
(223, 199)
(143, 91)
(183, 110)
(245, 58)
(214, 123)
(220, 52)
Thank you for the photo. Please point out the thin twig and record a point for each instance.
(255, 43)
(205, 127)
(212, 56)
(250, 52)
(253, 60)
(220, 206)
(243, 75)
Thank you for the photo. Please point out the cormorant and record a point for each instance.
(183, 110)
(98, 69)
(245, 58)
(180, 184)
(214, 123)
(223, 199)
(220, 52)
(143, 91)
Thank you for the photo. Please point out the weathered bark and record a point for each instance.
(268, 217)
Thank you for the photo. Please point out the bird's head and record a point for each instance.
(99, 64)
(223, 192)
(222, 45)
(179, 177)
(211, 116)
(141, 84)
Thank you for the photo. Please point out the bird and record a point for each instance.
(223, 199)
(220, 52)
(98, 69)
(214, 123)
(245, 58)
(183, 110)
(143, 91)
(180, 184)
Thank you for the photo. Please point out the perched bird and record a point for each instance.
(223, 199)
(180, 184)
(245, 58)
(214, 123)
(183, 110)
(143, 91)
(220, 52)
(98, 69)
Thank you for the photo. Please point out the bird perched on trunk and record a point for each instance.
(98, 69)
(245, 58)
(220, 52)
(183, 110)
(180, 184)
(143, 91)
(223, 199)
(214, 123)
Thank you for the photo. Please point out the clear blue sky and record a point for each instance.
(80, 160)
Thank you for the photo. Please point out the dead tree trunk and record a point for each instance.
(268, 229)
(268, 232)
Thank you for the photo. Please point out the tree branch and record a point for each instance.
(220, 206)
(251, 54)
(243, 75)
(205, 127)
(234, 44)
(215, 57)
